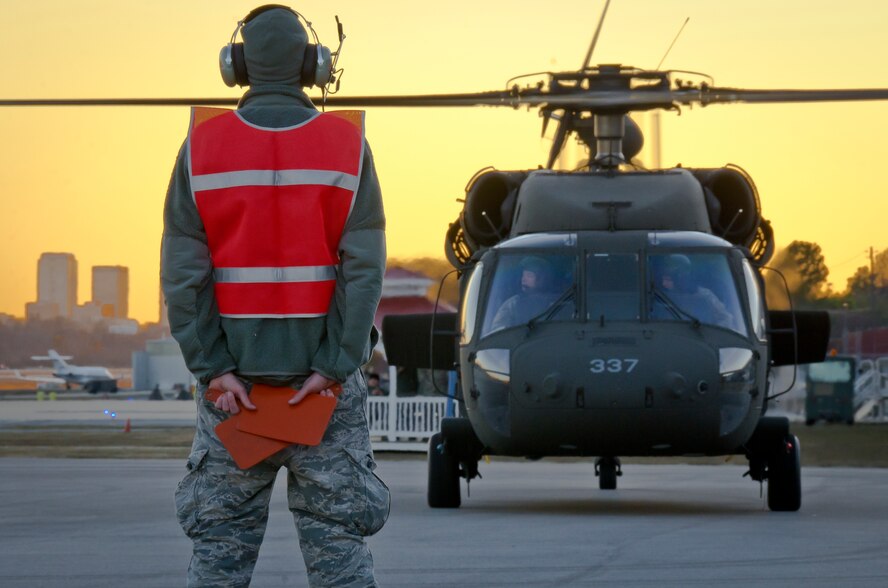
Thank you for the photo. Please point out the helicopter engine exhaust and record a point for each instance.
(490, 202)
(732, 203)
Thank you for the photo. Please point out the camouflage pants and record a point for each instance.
(335, 498)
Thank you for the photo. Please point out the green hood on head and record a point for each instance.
(274, 44)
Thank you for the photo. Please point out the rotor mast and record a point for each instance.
(609, 131)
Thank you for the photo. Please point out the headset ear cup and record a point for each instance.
(309, 65)
(323, 67)
(225, 66)
(239, 64)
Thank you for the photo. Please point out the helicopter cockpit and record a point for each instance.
(654, 277)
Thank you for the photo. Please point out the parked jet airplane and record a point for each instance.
(91, 378)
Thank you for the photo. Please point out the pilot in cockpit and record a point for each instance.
(536, 293)
(676, 282)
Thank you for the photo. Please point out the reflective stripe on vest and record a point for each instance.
(274, 203)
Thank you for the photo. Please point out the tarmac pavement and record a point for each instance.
(112, 409)
(97, 523)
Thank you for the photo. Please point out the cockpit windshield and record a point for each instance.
(696, 287)
(530, 287)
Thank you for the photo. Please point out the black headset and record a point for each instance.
(317, 62)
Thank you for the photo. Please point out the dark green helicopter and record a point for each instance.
(608, 311)
(612, 310)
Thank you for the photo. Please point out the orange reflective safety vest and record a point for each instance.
(274, 203)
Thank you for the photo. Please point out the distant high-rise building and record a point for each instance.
(110, 290)
(56, 286)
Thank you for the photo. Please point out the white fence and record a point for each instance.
(406, 423)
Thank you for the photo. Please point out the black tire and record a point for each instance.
(91, 387)
(785, 476)
(607, 475)
(443, 490)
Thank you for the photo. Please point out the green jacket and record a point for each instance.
(272, 350)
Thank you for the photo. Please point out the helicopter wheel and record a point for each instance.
(607, 469)
(785, 476)
(443, 490)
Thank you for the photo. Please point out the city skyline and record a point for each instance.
(58, 297)
(815, 165)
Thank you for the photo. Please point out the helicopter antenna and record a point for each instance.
(733, 220)
(492, 226)
(588, 59)
(677, 35)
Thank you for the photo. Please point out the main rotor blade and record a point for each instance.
(588, 59)
(729, 95)
(120, 102)
(634, 100)
(495, 98)
(573, 99)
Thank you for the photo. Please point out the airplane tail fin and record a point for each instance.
(58, 361)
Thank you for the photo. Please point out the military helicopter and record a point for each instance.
(609, 311)
(612, 310)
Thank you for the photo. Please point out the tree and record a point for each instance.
(868, 287)
(803, 266)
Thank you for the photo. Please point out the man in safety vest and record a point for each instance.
(272, 262)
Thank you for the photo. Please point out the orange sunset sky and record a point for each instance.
(91, 181)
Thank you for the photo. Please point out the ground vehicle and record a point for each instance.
(830, 394)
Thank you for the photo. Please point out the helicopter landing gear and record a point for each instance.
(607, 469)
(785, 476)
(453, 454)
(443, 490)
(775, 455)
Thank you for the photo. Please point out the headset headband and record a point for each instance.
(317, 62)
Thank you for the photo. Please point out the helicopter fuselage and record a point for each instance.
(613, 362)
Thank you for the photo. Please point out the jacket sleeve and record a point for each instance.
(350, 334)
(186, 275)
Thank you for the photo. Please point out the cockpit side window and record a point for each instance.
(691, 286)
(756, 304)
(539, 285)
(469, 310)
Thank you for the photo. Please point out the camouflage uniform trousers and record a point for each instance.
(334, 495)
